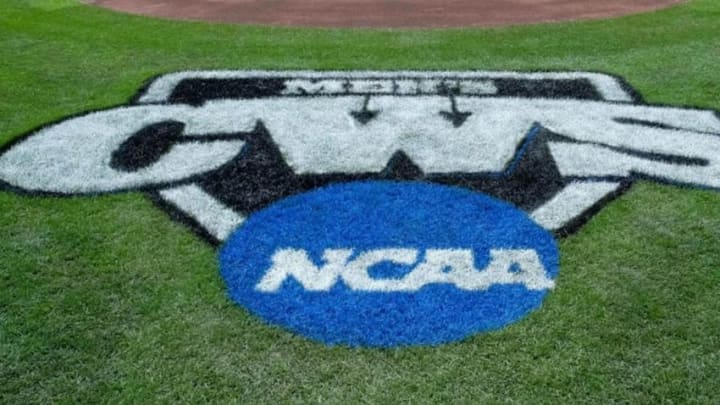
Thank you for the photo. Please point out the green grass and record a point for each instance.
(107, 300)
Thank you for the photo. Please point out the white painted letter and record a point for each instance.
(356, 273)
(296, 263)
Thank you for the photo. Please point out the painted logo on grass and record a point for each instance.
(386, 264)
(221, 150)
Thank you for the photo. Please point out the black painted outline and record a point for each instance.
(180, 216)
(635, 96)
(175, 99)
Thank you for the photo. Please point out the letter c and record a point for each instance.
(75, 156)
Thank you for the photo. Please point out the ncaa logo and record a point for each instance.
(390, 263)
(376, 208)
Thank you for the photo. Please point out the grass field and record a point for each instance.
(107, 300)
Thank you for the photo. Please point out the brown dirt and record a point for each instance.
(385, 13)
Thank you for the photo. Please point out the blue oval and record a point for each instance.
(366, 216)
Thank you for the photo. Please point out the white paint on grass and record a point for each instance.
(217, 219)
(73, 156)
(440, 266)
(610, 88)
(386, 86)
(320, 135)
(571, 202)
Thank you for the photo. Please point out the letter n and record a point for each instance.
(295, 263)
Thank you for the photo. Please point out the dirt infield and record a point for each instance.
(385, 13)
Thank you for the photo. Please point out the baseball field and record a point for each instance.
(105, 299)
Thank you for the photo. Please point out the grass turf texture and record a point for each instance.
(106, 299)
